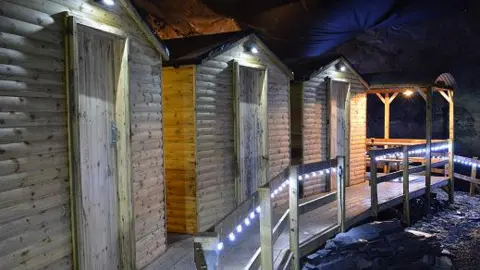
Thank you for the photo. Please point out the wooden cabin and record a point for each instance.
(226, 108)
(328, 114)
(81, 137)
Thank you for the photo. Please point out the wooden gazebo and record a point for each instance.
(387, 86)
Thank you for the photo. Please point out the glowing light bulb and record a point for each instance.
(254, 50)
(258, 209)
(252, 215)
(408, 93)
(109, 2)
(247, 221)
(231, 236)
(220, 246)
(239, 228)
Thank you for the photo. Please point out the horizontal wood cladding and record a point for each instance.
(314, 140)
(35, 228)
(215, 130)
(34, 188)
(178, 110)
(147, 135)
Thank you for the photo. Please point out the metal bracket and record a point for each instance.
(114, 133)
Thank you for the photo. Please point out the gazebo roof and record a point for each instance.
(404, 80)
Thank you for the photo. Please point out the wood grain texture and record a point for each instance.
(32, 60)
(179, 108)
(215, 141)
(314, 127)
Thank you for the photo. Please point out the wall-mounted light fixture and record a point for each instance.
(340, 67)
(108, 2)
(253, 50)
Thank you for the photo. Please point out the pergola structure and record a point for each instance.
(387, 86)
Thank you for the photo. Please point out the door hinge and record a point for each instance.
(114, 133)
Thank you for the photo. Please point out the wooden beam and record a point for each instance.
(386, 122)
(393, 97)
(473, 174)
(428, 146)
(294, 228)
(424, 96)
(451, 137)
(341, 172)
(467, 178)
(126, 219)
(266, 243)
(380, 97)
(406, 188)
(373, 186)
(445, 96)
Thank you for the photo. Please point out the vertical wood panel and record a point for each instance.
(95, 114)
(179, 104)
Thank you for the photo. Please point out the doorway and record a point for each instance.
(250, 129)
(99, 148)
(338, 125)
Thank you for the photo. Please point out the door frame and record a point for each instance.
(346, 117)
(237, 120)
(125, 217)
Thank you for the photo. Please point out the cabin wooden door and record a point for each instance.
(96, 156)
(338, 122)
(251, 129)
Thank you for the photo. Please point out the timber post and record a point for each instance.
(293, 217)
(451, 134)
(266, 239)
(406, 188)
(341, 171)
(373, 185)
(205, 250)
(473, 174)
(428, 148)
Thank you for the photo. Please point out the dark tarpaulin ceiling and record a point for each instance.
(293, 29)
(306, 28)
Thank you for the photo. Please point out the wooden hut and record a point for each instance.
(81, 158)
(226, 108)
(328, 112)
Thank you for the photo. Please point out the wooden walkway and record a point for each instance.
(180, 255)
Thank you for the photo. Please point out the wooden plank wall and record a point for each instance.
(178, 99)
(315, 129)
(215, 138)
(147, 151)
(34, 190)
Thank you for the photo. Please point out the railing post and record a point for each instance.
(428, 148)
(451, 136)
(293, 204)
(266, 245)
(473, 174)
(341, 192)
(406, 187)
(205, 250)
(373, 185)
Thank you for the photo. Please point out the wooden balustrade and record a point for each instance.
(377, 155)
(270, 232)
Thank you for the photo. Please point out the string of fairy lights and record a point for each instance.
(256, 211)
(247, 221)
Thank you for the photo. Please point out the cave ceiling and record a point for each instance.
(303, 29)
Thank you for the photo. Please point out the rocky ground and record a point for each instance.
(448, 238)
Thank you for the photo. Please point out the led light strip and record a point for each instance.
(248, 219)
(399, 154)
